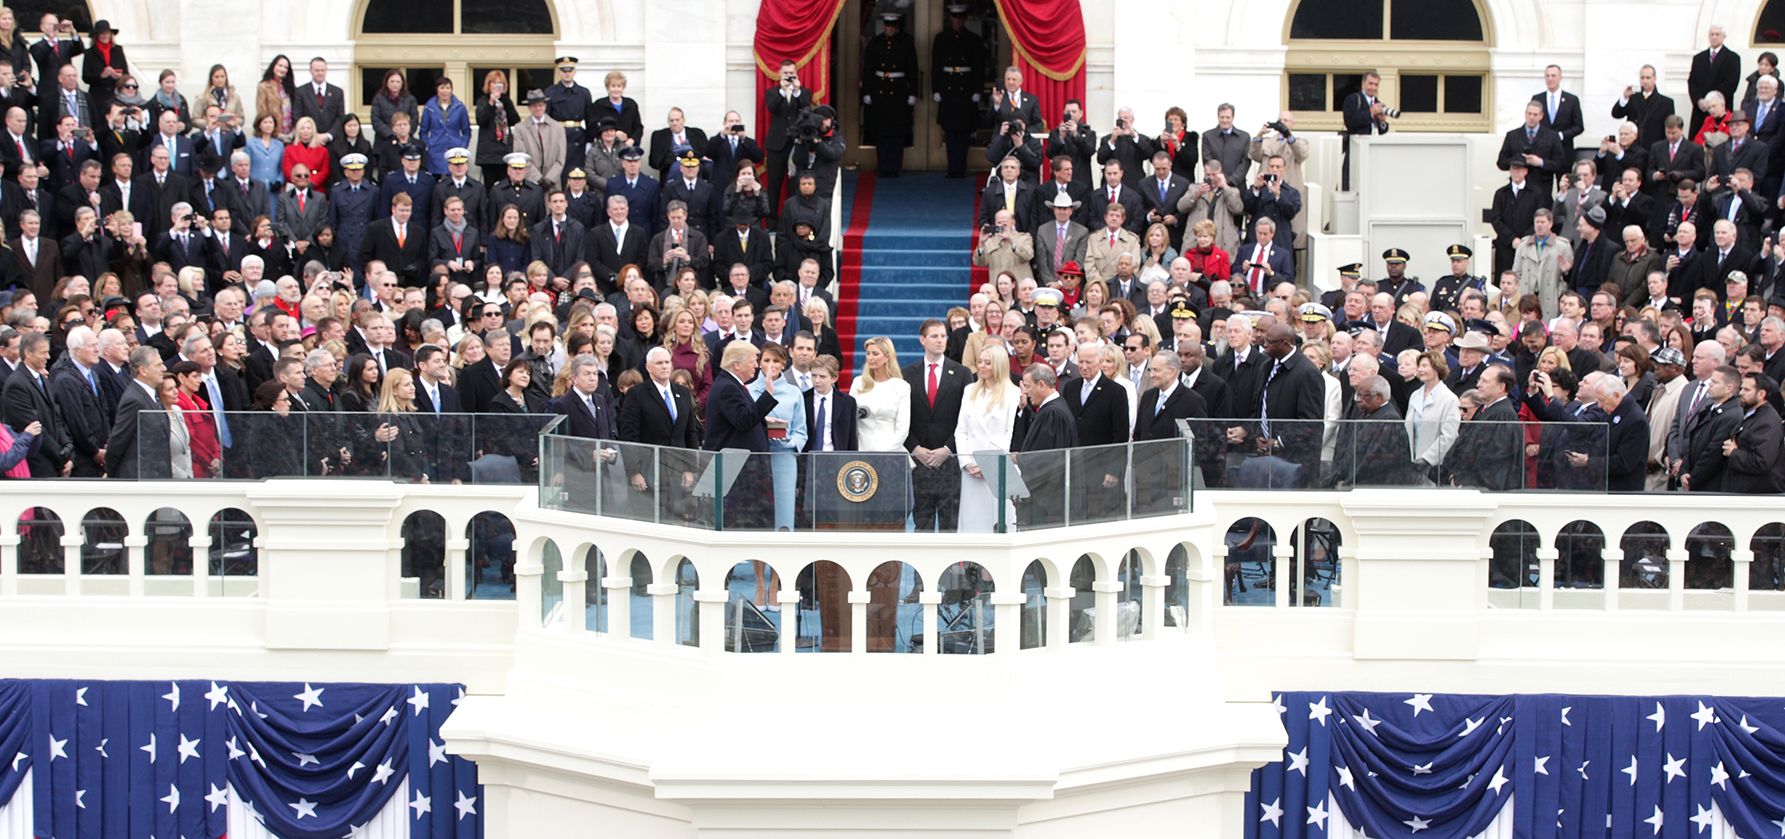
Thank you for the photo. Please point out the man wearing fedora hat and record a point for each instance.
(1742, 151)
(541, 138)
(1059, 241)
(1471, 354)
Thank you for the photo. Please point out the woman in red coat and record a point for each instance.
(305, 149)
(201, 424)
(1207, 261)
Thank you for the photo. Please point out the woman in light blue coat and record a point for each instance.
(445, 124)
(783, 451)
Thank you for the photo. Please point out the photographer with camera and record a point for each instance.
(120, 136)
(817, 147)
(785, 102)
(1538, 146)
(1270, 197)
(1012, 139)
(1126, 146)
(1673, 159)
(732, 149)
(1004, 248)
(1277, 139)
(1365, 115)
(1075, 140)
(889, 90)
(1217, 201)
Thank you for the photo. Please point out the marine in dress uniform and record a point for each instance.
(1447, 292)
(889, 89)
(568, 103)
(1348, 277)
(352, 204)
(957, 72)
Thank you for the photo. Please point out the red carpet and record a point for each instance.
(977, 275)
(849, 271)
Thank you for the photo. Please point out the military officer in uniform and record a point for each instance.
(583, 202)
(530, 197)
(889, 89)
(1348, 276)
(457, 183)
(568, 103)
(1397, 282)
(352, 203)
(957, 73)
(1447, 292)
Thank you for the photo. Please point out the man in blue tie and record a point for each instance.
(664, 436)
(1538, 146)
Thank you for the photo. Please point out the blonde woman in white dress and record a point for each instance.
(988, 418)
(882, 400)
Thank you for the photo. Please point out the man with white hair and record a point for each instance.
(1105, 418)
(113, 370)
(74, 387)
(242, 193)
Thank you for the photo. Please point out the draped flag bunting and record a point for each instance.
(1047, 40)
(799, 31)
(1402, 765)
(304, 761)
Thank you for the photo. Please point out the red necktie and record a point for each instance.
(930, 386)
(458, 242)
(22, 156)
(1112, 238)
(300, 201)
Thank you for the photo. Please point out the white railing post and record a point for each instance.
(200, 543)
(571, 618)
(788, 640)
(1059, 615)
(457, 547)
(1741, 563)
(1676, 579)
(9, 563)
(932, 639)
(663, 611)
(858, 620)
(1546, 577)
(135, 546)
(619, 605)
(1612, 561)
(1104, 595)
(71, 560)
(329, 570)
(712, 628)
(1007, 631)
(1152, 604)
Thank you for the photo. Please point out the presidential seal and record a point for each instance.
(857, 481)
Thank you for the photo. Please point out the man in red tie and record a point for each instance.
(938, 385)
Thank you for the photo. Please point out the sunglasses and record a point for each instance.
(127, 87)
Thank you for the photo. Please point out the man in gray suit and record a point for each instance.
(1582, 194)
(1706, 358)
(1059, 241)
(124, 458)
(302, 210)
(1229, 145)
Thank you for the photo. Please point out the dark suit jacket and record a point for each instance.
(558, 252)
(1129, 198)
(1649, 112)
(1754, 465)
(728, 251)
(608, 256)
(662, 147)
(841, 424)
(725, 164)
(327, 110)
(121, 449)
(23, 403)
(1103, 416)
(733, 419)
(82, 412)
(1153, 423)
(579, 421)
(1625, 463)
(88, 258)
(1357, 117)
(409, 260)
(1051, 427)
(1724, 75)
(1754, 155)
(1168, 206)
(1712, 275)
(933, 427)
(142, 202)
(1547, 145)
(1514, 217)
(1296, 393)
(643, 419)
(479, 383)
(991, 200)
(1568, 122)
(41, 279)
(1688, 163)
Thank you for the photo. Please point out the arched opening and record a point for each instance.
(1580, 556)
(40, 541)
(489, 564)
(965, 617)
(895, 620)
(424, 555)
(1250, 574)
(1644, 564)
(1177, 588)
(458, 39)
(103, 532)
(752, 609)
(169, 547)
(28, 12)
(1710, 563)
(687, 618)
(232, 551)
(1081, 613)
(640, 571)
(1314, 571)
(1432, 56)
(1131, 604)
(1513, 564)
(594, 592)
(1769, 27)
(1034, 629)
(824, 611)
(1767, 571)
(551, 589)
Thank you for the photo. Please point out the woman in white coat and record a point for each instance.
(987, 420)
(1432, 415)
(882, 400)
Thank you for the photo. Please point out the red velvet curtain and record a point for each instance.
(799, 30)
(1048, 45)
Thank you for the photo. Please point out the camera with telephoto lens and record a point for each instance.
(1391, 112)
(1278, 127)
(808, 126)
(1016, 130)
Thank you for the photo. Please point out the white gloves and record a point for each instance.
(867, 100)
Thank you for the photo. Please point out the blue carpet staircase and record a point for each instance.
(914, 257)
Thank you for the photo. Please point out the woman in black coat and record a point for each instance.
(275, 434)
(350, 140)
(495, 115)
(512, 425)
(102, 66)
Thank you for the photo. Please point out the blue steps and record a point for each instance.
(916, 257)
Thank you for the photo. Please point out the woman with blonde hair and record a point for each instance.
(818, 316)
(882, 398)
(306, 148)
(1115, 368)
(987, 420)
(688, 350)
(401, 435)
(992, 335)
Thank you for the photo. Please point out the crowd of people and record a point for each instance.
(304, 298)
